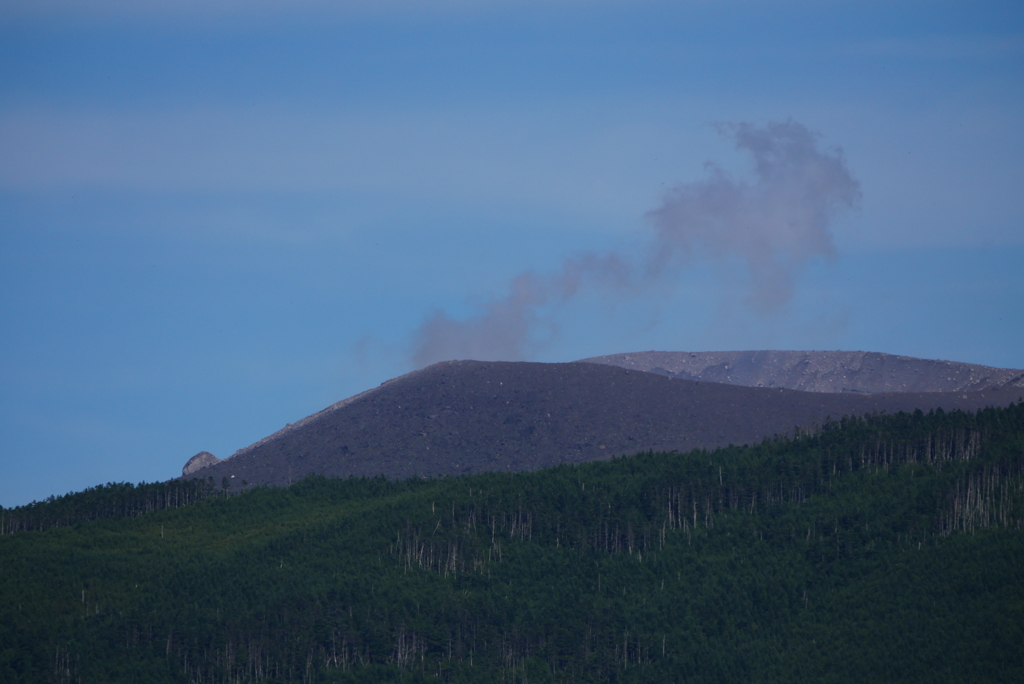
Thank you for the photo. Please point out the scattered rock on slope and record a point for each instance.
(468, 416)
(820, 371)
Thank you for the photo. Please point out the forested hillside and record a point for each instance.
(113, 500)
(880, 549)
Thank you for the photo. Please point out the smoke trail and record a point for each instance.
(775, 225)
(505, 329)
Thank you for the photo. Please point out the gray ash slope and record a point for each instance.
(820, 371)
(466, 416)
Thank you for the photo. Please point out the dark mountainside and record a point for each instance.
(820, 371)
(462, 417)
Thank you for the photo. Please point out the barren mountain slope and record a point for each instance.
(468, 416)
(819, 371)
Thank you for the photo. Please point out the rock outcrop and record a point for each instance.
(198, 462)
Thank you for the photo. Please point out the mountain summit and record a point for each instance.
(459, 417)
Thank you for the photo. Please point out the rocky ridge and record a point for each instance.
(820, 371)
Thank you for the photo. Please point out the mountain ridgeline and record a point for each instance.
(887, 548)
(820, 371)
(462, 417)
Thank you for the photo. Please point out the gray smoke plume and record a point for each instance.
(775, 224)
(505, 330)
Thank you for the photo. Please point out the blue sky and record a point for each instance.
(219, 217)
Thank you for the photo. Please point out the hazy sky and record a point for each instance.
(218, 217)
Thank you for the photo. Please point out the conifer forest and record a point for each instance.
(887, 548)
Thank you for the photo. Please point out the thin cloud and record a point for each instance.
(205, 11)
